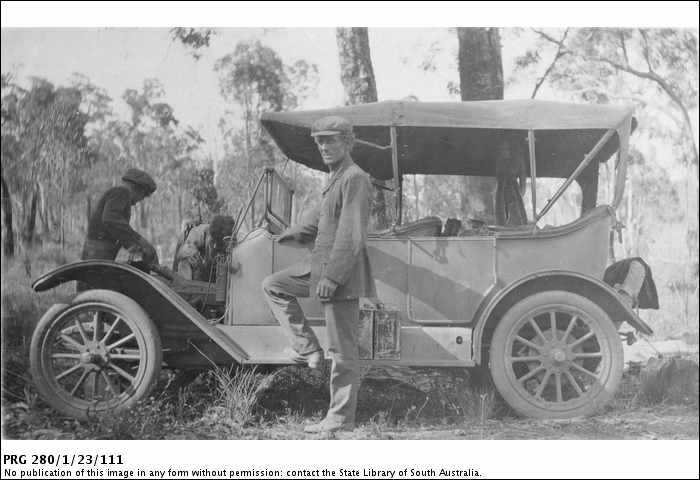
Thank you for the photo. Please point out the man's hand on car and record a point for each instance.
(326, 288)
(150, 257)
(286, 237)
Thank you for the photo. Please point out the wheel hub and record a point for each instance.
(94, 354)
(88, 358)
(558, 355)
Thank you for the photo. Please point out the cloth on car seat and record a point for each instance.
(425, 227)
(452, 227)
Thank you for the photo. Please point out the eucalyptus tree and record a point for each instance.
(480, 78)
(359, 85)
(253, 79)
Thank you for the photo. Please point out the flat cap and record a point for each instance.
(332, 125)
(140, 178)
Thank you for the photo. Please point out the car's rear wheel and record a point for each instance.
(556, 354)
(102, 353)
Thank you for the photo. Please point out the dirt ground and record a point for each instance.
(669, 423)
(295, 400)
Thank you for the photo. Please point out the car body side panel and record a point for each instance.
(388, 258)
(583, 248)
(400, 285)
(448, 278)
(420, 345)
(253, 260)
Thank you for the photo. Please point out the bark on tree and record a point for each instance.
(44, 212)
(356, 70)
(88, 209)
(480, 64)
(480, 78)
(29, 229)
(179, 210)
(357, 77)
(8, 244)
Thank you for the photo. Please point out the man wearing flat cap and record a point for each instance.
(108, 226)
(338, 273)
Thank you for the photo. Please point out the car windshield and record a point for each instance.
(280, 199)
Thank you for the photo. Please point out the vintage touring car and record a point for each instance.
(526, 301)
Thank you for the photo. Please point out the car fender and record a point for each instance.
(167, 309)
(592, 288)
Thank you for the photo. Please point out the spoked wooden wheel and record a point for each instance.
(101, 353)
(556, 354)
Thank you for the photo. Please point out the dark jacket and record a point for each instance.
(109, 221)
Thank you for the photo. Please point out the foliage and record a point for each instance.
(253, 79)
(155, 141)
(201, 185)
(605, 65)
(44, 149)
(194, 39)
(254, 76)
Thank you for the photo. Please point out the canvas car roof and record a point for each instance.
(457, 138)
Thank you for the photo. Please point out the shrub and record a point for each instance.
(671, 380)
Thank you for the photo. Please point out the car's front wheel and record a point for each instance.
(101, 353)
(556, 354)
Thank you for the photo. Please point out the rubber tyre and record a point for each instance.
(134, 319)
(517, 395)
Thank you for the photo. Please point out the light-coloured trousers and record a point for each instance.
(342, 322)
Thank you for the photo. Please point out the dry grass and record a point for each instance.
(237, 393)
(21, 310)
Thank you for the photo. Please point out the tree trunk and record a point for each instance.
(63, 226)
(356, 72)
(480, 78)
(480, 64)
(8, 243)
(357, 77)
(88, 209)
(64, 188)
(416, 194)
(30, 225)
(179, 210)
(43, 211)
(629, 244)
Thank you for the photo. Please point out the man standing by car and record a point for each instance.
(338, 273)
(108, 225)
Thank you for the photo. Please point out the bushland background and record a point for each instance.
(68, 135)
